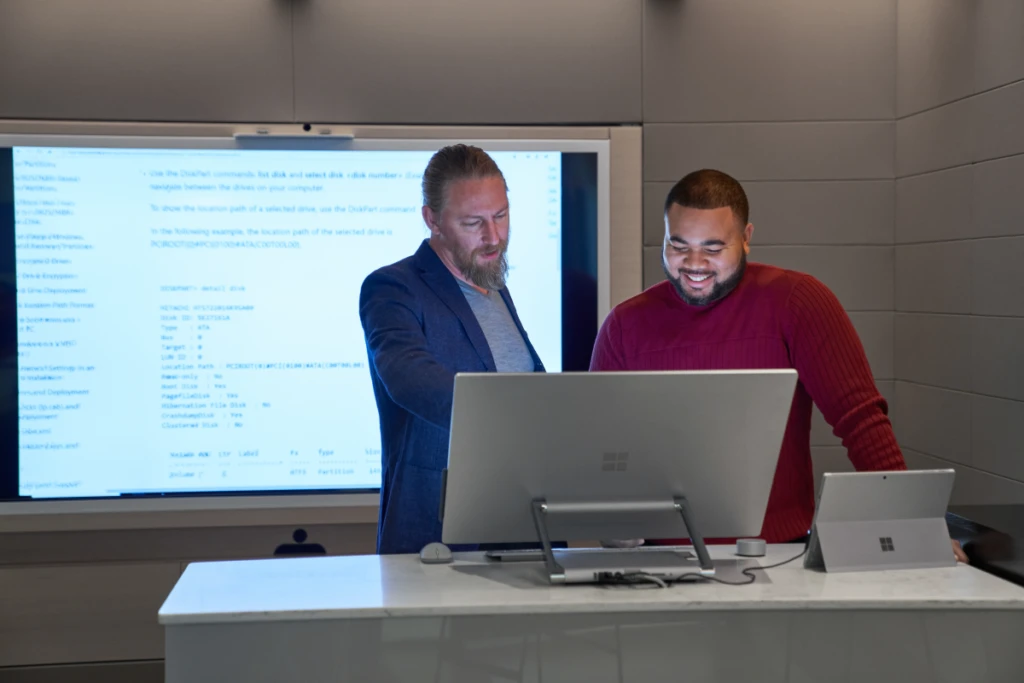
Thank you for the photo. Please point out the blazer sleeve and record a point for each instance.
(411, 374)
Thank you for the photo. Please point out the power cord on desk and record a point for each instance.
(634, 579)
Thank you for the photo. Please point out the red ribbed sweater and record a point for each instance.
(774, 318)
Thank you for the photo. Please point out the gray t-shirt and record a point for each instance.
(507, 346)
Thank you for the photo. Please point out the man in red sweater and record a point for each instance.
(717, 312)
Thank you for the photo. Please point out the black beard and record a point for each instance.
(718, 292)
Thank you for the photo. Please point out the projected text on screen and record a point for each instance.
(188, 319)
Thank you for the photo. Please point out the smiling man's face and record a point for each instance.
(705, 252)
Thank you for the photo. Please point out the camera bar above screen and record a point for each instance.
(180, 315)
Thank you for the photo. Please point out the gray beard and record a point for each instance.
(490, 276)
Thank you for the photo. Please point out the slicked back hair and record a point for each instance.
(451, 164)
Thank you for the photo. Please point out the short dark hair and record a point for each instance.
(710, 189)
(452, 163)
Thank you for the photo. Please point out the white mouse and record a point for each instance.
(435, 553)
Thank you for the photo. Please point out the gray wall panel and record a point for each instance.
(83, 613)
(933, 349)
(935, 53)
(934, 140)
(997, 278)
(934, 421)
(997, 357)
(997, 121)
(771, 151)
(786, 60)
(999, 57)
(972, 486)
(996, 191)
(187, 60)
(972, 215)
(654, 211)
(465, 62)
(934, 206)
(934, 278)
(653, 272)
(997, 428)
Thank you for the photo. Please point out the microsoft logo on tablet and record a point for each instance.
(886, 543)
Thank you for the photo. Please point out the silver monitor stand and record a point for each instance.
(542, 509)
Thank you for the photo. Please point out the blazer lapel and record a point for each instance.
(443, 283)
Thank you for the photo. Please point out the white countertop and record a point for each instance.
(372, 586)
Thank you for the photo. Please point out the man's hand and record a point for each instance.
(961, 556)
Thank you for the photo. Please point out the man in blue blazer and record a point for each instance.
(441, 311)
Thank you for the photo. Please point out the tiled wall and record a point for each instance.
(797, 99)
(959, 262)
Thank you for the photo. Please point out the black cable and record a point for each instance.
(631, 579)
(745, 572)
(634, 579)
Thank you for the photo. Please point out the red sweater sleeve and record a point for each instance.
(832, 365)
(607, 354)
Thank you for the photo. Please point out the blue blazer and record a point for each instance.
(420, 331)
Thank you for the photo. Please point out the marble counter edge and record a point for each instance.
(780, 605)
